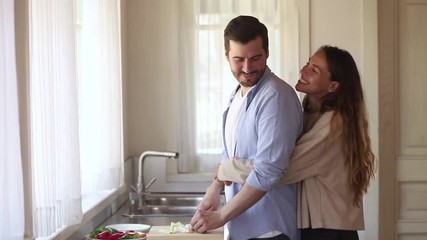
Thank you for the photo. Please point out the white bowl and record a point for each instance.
(130, 226)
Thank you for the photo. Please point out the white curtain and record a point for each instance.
(205, 80)
(11, 182)
(74, 113)
(100, 96)
(75, 107)
(55, 162)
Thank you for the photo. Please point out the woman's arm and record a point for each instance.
(303, 162)
(310, 151)
(234, 170)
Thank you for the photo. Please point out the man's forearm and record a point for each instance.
(245, 199)
(211, 199)
(216, 187)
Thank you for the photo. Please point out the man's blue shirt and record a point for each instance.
(266, 133)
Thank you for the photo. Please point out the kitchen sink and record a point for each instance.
(167, 204)
(167, 210)
(175, 199)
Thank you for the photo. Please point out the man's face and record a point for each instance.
(247, 61)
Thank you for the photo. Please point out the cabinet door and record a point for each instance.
(403, 119)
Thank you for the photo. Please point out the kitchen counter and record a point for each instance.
(160, 222)
(157, 233)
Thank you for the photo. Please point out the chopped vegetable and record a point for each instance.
(104, 235)
(133, 235)
(116, 236)
(96, 232)
(179, 227)
(111, 230)
(109, 233)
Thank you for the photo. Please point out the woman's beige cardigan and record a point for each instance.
(325, 199)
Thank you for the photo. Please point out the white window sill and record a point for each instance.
(108, 201)
(92, 201)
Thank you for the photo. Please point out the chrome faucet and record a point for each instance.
(137, 197)
(140, 185)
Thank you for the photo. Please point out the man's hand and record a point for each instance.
(205, 220)
(210, 203)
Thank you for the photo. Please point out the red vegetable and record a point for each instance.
(104, 235)
(116, 236)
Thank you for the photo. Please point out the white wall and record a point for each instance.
(337, 23)
(147, 108)
(352, 25)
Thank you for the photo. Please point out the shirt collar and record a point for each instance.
(254, 90)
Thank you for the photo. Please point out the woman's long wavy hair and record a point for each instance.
(350, 114)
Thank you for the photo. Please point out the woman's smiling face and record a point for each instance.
(315, 78)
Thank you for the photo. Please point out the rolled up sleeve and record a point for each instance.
(278, 125)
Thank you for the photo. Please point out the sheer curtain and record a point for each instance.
(55, 161)
(100, 96)
(12, 203)
(75, 107)
(204, 73)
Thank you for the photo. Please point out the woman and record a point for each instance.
(332, 160)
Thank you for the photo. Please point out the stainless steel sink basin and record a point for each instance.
(167, 210)
(174, 199)
(168, 204)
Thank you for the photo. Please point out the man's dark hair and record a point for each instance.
(244, 29)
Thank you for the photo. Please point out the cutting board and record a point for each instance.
(155, 234)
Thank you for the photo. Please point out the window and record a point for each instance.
(212, 83)
(99, 94)
(75, 108)
(12, 217)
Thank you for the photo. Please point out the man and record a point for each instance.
(262, 122)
